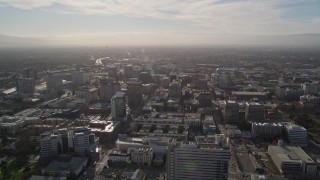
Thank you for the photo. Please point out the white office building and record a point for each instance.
(204, 160)
(79, 140)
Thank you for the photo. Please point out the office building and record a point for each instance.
(254, 111)
(108, 88)
(88, 93)
(79, 140)
(205, 160)
(266, 130)
(292, 160)
(119, 106)
(25, 85)
(230, 112)
(296, 134)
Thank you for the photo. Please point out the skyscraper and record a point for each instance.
(118, 106)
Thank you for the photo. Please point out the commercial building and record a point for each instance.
(266, 130)
(254, 111)
(292, 160)
(207, 159)
(25, 85)
(230, 111)
(296, 134)
(119, 106)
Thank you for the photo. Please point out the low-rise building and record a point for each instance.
(292, 160)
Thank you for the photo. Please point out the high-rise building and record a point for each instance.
(230, 112)
(134, 93)
(204, 160)
(25, 85)
(108, 88)
(254, 111)
(119, 106)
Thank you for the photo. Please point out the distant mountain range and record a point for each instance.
(174, 38)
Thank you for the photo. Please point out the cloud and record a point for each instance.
(229, 16)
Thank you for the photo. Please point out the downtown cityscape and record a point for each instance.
(159, 90)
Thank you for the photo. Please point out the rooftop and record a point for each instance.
(290, 153)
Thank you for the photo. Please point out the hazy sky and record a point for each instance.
(87, 17)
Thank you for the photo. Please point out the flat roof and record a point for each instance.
(290, 154)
